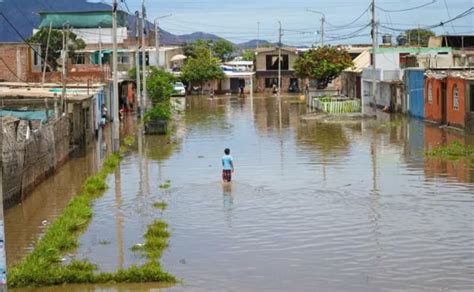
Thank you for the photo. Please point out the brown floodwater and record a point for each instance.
(313, 206)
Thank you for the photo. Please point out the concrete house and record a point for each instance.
(449, 98)
(266, 68)
(391, 63)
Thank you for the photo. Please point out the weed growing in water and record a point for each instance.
(160, 205)
(166, 185)
(104, 242)
(453, 151)
(129, 140)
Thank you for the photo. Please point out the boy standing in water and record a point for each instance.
(227, 166)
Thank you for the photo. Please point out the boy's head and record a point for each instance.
(227, 151)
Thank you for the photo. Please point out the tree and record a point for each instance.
(191, 48)
(416, 36)
(222, 49)
(55, 45)
(159, 85)
(202, 68)
(248, 55)
(323, 64)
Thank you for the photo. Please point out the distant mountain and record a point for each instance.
(253, 44)
(198, 36)
(23, 15)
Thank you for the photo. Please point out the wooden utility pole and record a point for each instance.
(46, 55)
(115, 102)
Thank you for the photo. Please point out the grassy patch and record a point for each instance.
(160, 205)
(156, 240)
(129, 140)
(43, 266)
(104, 242)
(453, 151)
(165, 185)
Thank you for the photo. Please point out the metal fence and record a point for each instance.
(337, 106)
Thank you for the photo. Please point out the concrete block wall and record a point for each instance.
(30, 154)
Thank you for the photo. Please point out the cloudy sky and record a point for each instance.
(237, 20)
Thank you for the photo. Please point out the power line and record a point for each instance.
(408, 9)
(449, 14)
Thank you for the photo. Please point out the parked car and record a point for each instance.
(179, 89)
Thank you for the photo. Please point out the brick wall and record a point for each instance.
(28, 159)
(14, 60)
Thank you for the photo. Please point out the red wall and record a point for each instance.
(433, 110)
(456, 117)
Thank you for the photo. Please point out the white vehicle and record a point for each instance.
(179, 89)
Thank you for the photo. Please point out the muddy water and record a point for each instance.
(332, 206)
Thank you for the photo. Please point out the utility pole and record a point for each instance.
(322, 30)
(145, 92)
(323, 20)
(374, 47)
(279, 59)
(157, 43)
(137, 63)
(46, 54)
(258, 34)
(64, 71)
(100, 50)
(157, 39)
(116, 121)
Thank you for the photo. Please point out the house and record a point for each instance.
(266, 68)
(351, 78)
(93, 27)
(18, 61)
(391, 62)
(463, 48)
(449, 98)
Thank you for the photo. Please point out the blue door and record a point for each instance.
(415, 84)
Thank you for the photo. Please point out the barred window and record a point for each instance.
(455, 98)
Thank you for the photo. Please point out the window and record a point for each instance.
(430, 93)
(79, 58)
(455, 98)
(123, 58)
(270, 81)
(35, 59)
(472, 97)
(272, 62)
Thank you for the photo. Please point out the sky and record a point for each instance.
(237, 20)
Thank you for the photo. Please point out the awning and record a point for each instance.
(178, 58)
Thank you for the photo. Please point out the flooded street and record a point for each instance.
(312, 206)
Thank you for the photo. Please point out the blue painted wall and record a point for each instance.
(415, 86)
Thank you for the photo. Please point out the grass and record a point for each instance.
(156, 240)
(104, 242)
(43, 266)
(129, 140)
(165, 185)
(453, 151)
(160, 205)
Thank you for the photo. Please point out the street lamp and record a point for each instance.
(157, 38)
(323, 19)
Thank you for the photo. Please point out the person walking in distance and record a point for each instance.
(227, 166)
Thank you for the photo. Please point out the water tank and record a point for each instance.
(387, 39)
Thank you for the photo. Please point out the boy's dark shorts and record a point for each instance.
(226, 175)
